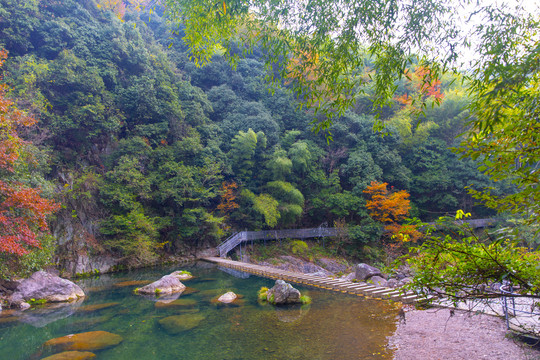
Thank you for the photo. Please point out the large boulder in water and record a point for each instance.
(169, 284)
(42, 285)
(87, 341)
(283, 293)
(365, 271)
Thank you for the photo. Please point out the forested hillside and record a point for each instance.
(148, 153)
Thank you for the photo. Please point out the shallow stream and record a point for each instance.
(335, 326)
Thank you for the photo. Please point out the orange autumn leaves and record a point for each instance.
(22, 209)
(390, 208)
(422, 85)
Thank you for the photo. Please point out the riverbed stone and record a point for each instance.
(365, 271)
(42, 285)
(178, 303)
(97, 307)
(168, 284)
(87, 341)
(392, 283)
(227, 298)
(132, 283)
(283, 293)
(178, 323)
(71, 355)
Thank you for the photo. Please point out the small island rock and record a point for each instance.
(168, 284)
(283, 293)
(42, 285)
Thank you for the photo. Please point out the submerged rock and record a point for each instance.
(180, 303)
(283, 293)
(71, 355)
(132, 283)
(42, 285)
(365, 271)
(168, 284)
(227, 298)
(178, 323)
(97, 307)
(92, 340)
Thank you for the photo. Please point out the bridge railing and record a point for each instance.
(245, 236)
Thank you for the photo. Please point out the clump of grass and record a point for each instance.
(185, 272)
(262, 294)
(305, 300)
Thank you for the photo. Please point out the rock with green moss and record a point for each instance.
(168, 284)
(182, 275)
(283, 293)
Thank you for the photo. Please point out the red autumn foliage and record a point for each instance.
(421, 85)
(23, 211)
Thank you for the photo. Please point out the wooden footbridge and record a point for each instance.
(339, 285)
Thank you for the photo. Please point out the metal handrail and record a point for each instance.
(508, 289)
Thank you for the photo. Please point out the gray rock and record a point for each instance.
(378, 281)
(392, 283)
(404, 281)
(227, 298)
(85, 264)
(283, 293)
(24, 306)
(365, 271)
(42, 285)
(319, 273)
(348, 277)
(168, 284)
(207, 253)
(9, 285)
(332, 265)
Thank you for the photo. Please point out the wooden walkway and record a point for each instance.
(344, 286)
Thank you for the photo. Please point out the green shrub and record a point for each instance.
(299, 247)
(305, 300)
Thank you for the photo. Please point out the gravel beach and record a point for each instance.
(434, 334)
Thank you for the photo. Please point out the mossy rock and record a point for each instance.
(97, 307)
(132, 283)
(179, 323)
(92, 340)
(183, 303)
(71, 355)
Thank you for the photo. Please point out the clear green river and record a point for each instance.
(334, 326)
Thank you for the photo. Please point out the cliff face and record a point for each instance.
(76, 228)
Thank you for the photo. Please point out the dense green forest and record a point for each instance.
(150, 154)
